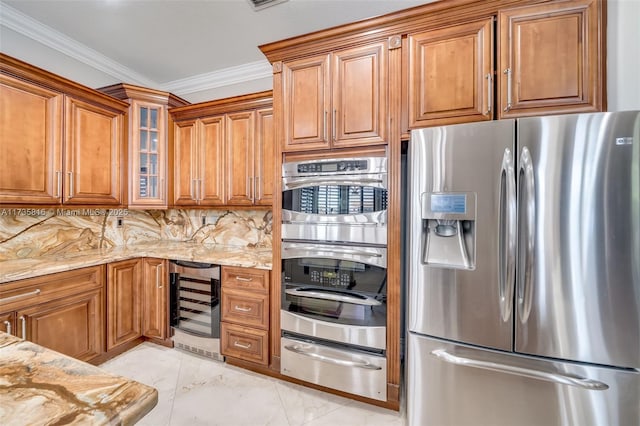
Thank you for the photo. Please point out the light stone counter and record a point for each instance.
(39, 386)
(261, 258)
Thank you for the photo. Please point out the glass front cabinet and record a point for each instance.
(148, 126)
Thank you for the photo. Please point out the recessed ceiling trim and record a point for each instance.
(224, 77)
(36, 30)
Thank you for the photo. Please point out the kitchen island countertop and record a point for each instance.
(248, 257)
(41, 386)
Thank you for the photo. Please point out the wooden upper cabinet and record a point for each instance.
(185, 167)
(337, 99)
(550, 58)
(210, 188)
(264, 157)
(360, 84)
(239, 153)
(94, 146)
(30, 143)
(306, 102)
(451, 74)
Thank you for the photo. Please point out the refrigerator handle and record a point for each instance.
(507, 237)
(563, 379)
(526, 237)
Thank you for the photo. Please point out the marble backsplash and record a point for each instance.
(56, 231)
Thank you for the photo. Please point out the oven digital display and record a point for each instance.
(330, 167)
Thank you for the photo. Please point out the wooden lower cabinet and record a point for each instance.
(124, 302)
(245, 314)
(72, 326)
(155, 294)
(63, 311)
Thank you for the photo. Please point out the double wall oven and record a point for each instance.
(334, 273)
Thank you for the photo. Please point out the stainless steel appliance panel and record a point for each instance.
(365, 336)
(370, 228)
(454, 384)
(473, 304)
(346, 370)
(578, 290)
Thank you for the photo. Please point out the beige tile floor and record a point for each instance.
(197, 391)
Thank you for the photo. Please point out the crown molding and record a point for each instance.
(224, 77)
(37, 31)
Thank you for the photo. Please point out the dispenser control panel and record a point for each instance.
(449, 203)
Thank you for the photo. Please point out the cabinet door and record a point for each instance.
(306, 103)
(72, 326)
(360, 83)
(210, 185)
(264, 158)
(124, 313)
(147, 155)
(549, 58)
(239, 153)
(8, 322)
(185, 163)
(450, 75)
(93, 145)
(155, 320)
(30, 143)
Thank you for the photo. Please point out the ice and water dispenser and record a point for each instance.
(449, 229)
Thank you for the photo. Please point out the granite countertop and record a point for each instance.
(39, 386)
(261, 258)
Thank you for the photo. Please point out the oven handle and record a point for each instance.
(319, 294)
(335, 250)
(304, 222)
(344, 362)
(293, 183)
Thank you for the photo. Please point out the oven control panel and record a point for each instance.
(333, 166)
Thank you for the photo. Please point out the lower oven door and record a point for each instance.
(340, 368)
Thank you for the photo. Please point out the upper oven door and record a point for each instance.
(335, 200)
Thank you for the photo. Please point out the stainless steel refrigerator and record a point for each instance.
(523, 245)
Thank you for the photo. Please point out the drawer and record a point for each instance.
(245, 308)
(245, 279)
(248, 344)
(32, 291)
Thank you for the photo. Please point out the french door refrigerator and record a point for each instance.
(523, 244)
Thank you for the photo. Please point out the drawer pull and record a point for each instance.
(7, 325)
(242, 309)
(244, 279)
(20, 296)
(240, 345)
(23, 320)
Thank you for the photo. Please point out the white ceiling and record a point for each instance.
(162, 42)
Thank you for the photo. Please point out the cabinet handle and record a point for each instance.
(240, 345)
(200, 194)
(20, 296)
(508, 73)
(7, 325)
(333, 125)
(58, 183)
(489, 93)
(250, 194)
(244, 279)
(70, 184)
(256, 188)
(242, 309)
(158, 277)
(324, 126)
(23, 320)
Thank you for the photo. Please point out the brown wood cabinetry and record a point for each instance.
(245, 314)
(124, 302)
(337, 99)
(223, 152)
(451, 74)
(148, 150)
(551, 58)
(59, 142)
(155, 295)
(63, 311)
